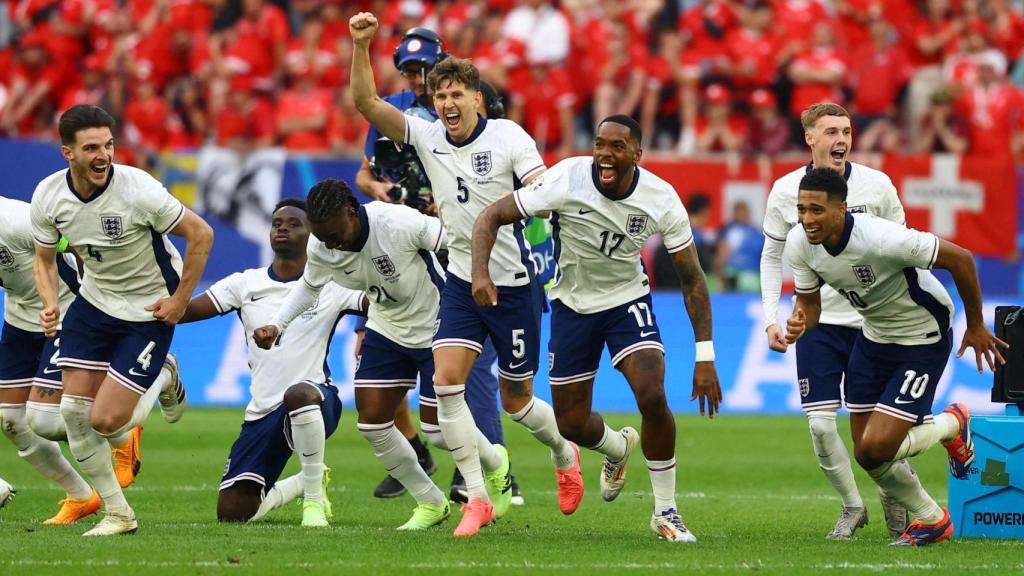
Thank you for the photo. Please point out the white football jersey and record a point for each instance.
(120, 234)
(396, 267)
(300, 354)
(868, 191)
(598, 239)
(881, 268)
(17, 263)
(468, 177)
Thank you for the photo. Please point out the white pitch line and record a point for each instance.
(243, 563)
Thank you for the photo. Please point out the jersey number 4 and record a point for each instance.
(93, 253)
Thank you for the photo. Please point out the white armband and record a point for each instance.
(706, 351)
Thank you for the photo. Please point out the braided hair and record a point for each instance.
(327, 199)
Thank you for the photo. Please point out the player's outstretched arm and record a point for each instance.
(706, 387)
(771, 290)
(300, 298)
(388, 119)
(485, 233)
(960, 264)
(198, 240)
(45, 272)
(199, 308)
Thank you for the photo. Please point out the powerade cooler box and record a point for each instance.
(989, 503)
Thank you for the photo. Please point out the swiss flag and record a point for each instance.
(971, 201)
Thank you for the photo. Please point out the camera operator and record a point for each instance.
(394, 174)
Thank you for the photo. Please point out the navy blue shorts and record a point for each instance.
(822, 355)
(513, 325)
(896, 380)
(574, 351)
(264, 446)
(132, 353)
(28, 358)
(383, 363)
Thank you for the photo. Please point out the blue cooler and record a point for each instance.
(989, 503)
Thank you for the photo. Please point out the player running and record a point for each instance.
(386, 250)
(116, 333)
(471, 162)
(823, 354)
(30, 388)
(294, 405)
(603, 209)
(882, 269)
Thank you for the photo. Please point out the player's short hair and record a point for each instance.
(82, 117)
(327, 198)
(453, 69)
(634, 127)
(697, 203)
(810, 116)
(825, 180)
(290, 203)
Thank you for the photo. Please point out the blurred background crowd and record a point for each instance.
(702, 76)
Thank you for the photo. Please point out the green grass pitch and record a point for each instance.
(748, 488)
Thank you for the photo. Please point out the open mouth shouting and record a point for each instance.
(607, 174)
(838, 154)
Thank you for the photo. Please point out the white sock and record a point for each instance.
(663, 482)
(942, 428)
(539, 418)
(460, 431)
(432, 432)
(896, 480)
(612, 444)
(308, 438)
(145, 403)
(833, 457)
(45, 420)
(283, 492)
(92, 452)
(399, 459)
(42, 454)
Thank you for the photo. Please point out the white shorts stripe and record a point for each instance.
(515, 377)
(895, 412)
(820, 405)
(457, 342)
(123, 381)
(572, 379)
(633, 348)
(52, 384)
(64, 361)
(19, 383)
(401, 383)
(250, 476)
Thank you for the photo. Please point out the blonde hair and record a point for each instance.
(810, 116)
(454, 69)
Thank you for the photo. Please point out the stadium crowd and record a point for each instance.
(708, 76)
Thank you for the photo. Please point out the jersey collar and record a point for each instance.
(844, 239)
(276, 278)
(364, 229)
(480, 125)
(100, 190)
(846, 171)
(632, 186)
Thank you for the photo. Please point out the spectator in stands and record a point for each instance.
(817, 74)
(542, 28)
(933, 35)
(303, 115)
(247, 122)
(753, 50)
(719, 130)
(145, 122)
(622, 77)
(189, 120)
(767, 130)
(943, 129)
(879, 72)
(660, 106)
(738, 260)
(314, 54)
(542, 101)
(698, 208)
(347, 127)
(34, 90)
(993, 109)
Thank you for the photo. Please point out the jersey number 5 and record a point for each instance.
(463, 196)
